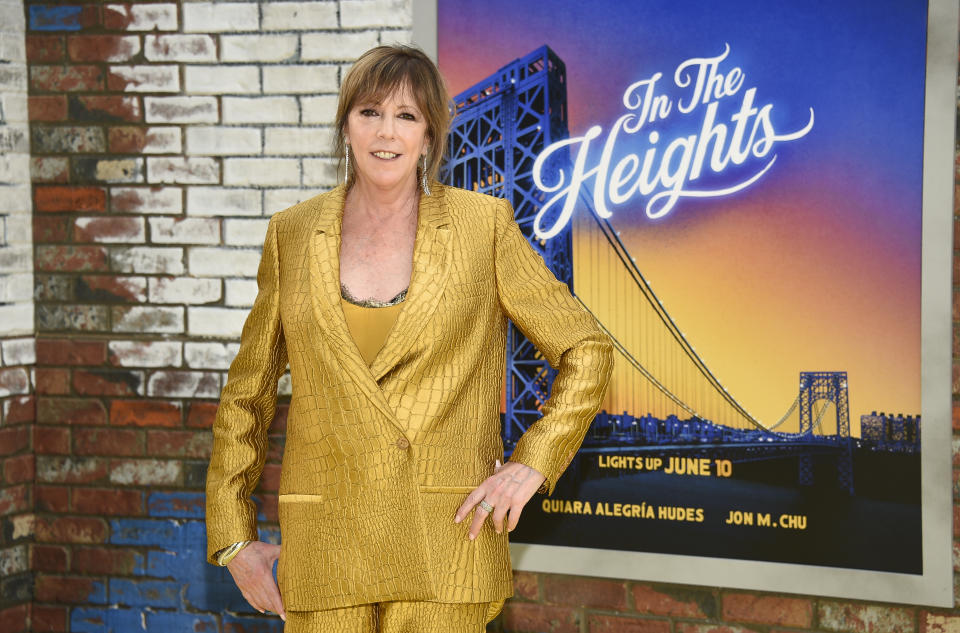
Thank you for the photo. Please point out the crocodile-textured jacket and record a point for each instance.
(378, 458)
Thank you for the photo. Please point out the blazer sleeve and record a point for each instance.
(247, 406)
(568, 336)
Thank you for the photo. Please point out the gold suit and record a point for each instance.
(379, 457)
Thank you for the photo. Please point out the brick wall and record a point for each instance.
(16, 326)
(162, 136)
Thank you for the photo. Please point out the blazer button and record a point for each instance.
(403, 443)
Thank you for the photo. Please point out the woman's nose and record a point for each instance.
(386, 129)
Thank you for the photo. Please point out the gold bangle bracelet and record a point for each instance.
(230, 552)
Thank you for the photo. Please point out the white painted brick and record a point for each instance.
(162, 140)
(145, 17)
(14, 167)
(152, 319)
(319, 109)
(210, 355)
(261, 171)
(244, 232)
(136, 235)
(285, 384)
(398, 36)
(12, 48)
(180, 48)
(145, 353)
(210, 17)
(13, 560)
(260, 109)
(183, 384)
(320, 172)
(298, 141)
(336, 46)
(167, 230)
(257, 48)
(216, 322)
(12, 18)
(146, 472)
(14, 105)
(221, 79)
(223, 201)
(179, 169)
(128, 47)
(17, 198)
(146, 199)
(180, 109)
(240, 292)
(300, 79)
(147, 259)
(119, 170)
(156, 78)
(19, 228)
(187, 290)
(19, 351)
(16, 381)
(218, 141)
(18, 287)
(303, 16)
(16, 258)
(371, 13)
(219, 262)
(279, 199)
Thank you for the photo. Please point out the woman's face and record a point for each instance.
(386, 140)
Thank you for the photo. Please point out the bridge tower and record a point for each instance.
(830, 386)
(502, 124)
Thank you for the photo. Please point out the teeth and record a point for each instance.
(384, 154)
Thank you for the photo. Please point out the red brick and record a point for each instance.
(14, 380)
(48, 558)
(108, 501)
(44, 48)
(15, 619)
(270, 506)
(70, 529)
(126, 140)
(64, 589)
(110, 288)
(275, 445)
(51, 440)
(70, 352)
(107, 48)
(49, 228)
(179, 444)
(525, 585)
(18, 469)
(70, 470)
(21, 409)
(712, 628)
(683, 602)
(58, 198)
(105, 108)
(597, 623)
(520, 616)
(956, 405)
(835, 615)
(279, 422)
(270, 482)
(108, 382)
(75, 411)
(14, 499)
(144, 413)
(107, 442)
(66, 258)
(52, 381)
(201, 414)
(49, 618)
(52, 498)
(743, 607)
(47, 108)
(74, 78)
(14, 439)
(103, 560)
(49, 169)
(578, 591)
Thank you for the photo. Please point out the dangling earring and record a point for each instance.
(346, 169)
(423, 176)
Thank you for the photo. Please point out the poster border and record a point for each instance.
(935, 586)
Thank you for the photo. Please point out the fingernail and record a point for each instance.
(456, 519)
(283, 617)
(472, 537)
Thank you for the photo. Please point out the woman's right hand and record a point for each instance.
(252, 570)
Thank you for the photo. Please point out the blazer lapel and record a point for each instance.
(431, 259)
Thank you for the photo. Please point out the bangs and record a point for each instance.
(394, 75)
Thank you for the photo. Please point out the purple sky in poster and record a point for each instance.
(817, 266)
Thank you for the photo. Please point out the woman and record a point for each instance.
(388, 296)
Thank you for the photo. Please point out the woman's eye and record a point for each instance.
(368, 112)
(408, 116)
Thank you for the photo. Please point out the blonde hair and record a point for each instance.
(384, 69)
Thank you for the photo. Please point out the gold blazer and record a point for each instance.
(378, 458)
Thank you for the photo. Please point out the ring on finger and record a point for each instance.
(486, 506)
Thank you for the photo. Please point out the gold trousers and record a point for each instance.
(397, 617)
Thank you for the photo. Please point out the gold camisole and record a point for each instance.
(369, 324)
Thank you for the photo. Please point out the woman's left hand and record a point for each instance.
(508, 489)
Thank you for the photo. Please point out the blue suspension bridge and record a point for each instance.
(501, 126)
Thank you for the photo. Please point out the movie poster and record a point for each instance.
(735, 191)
